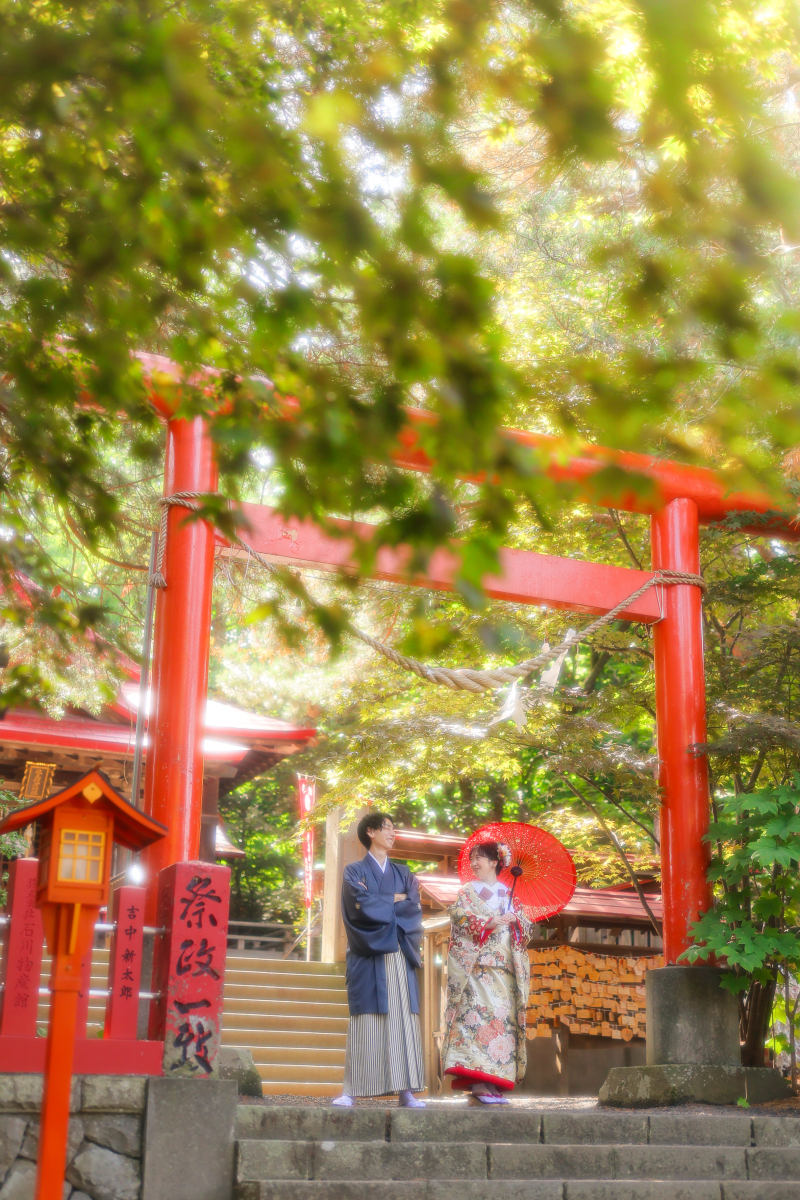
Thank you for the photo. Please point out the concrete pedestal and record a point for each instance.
(236, 1062)
(189, 1139)
(691, 1018)
(699, 1083)
(693, 1054)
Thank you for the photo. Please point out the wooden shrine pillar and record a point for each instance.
(209, 820)
(341, 848)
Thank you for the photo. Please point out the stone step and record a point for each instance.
(289, 1025)
(300, 979)
(293, 1016)
(265, 1161)
(290, 1053)
(313, 1044)
(262, 1009)
(280, 1072)
(283, 1036)
(236, 961)
(517, 1189)
(515, 1125)
(258, 993)
(307, 983)
(287, 1122)
(305, 1087)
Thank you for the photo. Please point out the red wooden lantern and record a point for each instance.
(77, 830)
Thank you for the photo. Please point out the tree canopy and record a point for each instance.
(580, 219)
(574, 217)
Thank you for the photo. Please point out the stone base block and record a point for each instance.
(691, 1018)
(188, 1139)
(657, 1086)
(236, 1062)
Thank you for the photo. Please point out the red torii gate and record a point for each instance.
(682, 498)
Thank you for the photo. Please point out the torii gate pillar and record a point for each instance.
(174, 775)
(693, 1053)
(681, 724)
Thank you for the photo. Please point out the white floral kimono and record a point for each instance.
(488, 980)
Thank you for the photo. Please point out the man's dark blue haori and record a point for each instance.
(376, 926)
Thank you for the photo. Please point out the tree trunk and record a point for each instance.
(791, 1013)
(467, 794)
(754, 1022)
(498, 793)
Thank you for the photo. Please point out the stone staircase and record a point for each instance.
(293, 1016)
(453, 1152)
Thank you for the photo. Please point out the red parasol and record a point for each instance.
(541, 874)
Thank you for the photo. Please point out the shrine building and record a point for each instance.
(40, 754)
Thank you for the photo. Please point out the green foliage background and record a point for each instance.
(261, 817)
(580, 218)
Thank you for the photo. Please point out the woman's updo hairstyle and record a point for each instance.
(492, 851)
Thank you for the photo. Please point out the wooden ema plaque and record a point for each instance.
(189, 966)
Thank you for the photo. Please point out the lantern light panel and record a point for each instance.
(81, 856)
(77, 831)
(74, 862)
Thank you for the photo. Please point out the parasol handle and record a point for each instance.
(517, 872)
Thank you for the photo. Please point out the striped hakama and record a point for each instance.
(384, 1050)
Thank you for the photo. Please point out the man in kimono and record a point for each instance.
(383, 918)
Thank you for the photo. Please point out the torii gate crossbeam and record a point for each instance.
(683, 498)
(526, 578)
(581, 586)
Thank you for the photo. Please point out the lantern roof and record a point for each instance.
(132, 829)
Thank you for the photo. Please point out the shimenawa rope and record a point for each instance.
(461, 679)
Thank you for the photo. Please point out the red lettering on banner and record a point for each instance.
(189, 966)
(23, 938)
(307, 793)
(125, 965)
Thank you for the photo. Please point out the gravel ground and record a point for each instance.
(776, 1108)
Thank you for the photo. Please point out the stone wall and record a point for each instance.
(130, 1137)
(104, 1155)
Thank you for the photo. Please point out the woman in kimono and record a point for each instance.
(383, 918)
(488, 980)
